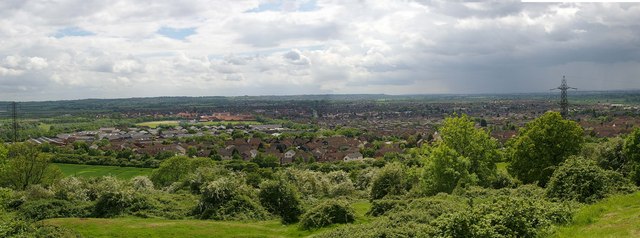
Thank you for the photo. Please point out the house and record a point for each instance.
(353, 156)
(289, 154)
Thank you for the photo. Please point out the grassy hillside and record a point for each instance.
(141, 227)
(153, 227)
(81, 170)
(617, 216)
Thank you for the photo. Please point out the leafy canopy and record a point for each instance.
(542, 145)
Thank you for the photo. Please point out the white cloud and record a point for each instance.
(331, 46)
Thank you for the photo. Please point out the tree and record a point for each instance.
(171, 170)
(542, 145)
(266, 161)
(631, 151)
(192, 151)
(631, 146)
(282, 199)
(461, 135)
(483, 122)
(445, 170)
(25, 166)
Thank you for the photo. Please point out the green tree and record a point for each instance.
(25, 166)
(631, 151)
(192, 151)
(171, 170)
(282, 199)
(445, 170)
(631, 146)
(266, 161)
(542, 145)
(460, 134)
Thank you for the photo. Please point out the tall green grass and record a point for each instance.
(617, 216)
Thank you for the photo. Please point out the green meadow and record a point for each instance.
(616, 216)
(83, 170)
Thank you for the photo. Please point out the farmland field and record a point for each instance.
(82, 170)
(154, 124)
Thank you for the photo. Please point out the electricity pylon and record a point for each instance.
(564, 102)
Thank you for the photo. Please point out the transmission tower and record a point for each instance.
(564, 102)
(14, 116)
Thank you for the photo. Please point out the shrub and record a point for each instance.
(381, 207)
(70, 189)
(142, 183)
(380, 228)
(111, 204)
(503, 216)
(96, 187)
(282, 199)
(227, 199)
(583, 181)
(327, 213)
(364, 177)
(388, 181)
(6, 196)
(52, 208)
(308, 183)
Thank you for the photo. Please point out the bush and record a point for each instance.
(583, 181)
(226, 199)
(327, 213)
(142, 183)
(112, 204)
(96, 187)
(282, 199)
(502, 217)
(6, 196)
(52, 208)
(70, 189)
(388, 181)
(308, 183)
(381, 207)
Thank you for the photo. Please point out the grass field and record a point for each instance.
(617, 216)
(153, 227)
(154, 124)
(81, 170)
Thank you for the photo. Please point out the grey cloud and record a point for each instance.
(295, 57)
(275, 33)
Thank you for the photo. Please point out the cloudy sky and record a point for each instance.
(70, 49)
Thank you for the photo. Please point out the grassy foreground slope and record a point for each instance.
(617, 216)
(146, 227)
(160, 228)
(82, 170)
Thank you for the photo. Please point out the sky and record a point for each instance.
(74, 49)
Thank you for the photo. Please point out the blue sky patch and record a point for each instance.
(177, 33)
(281, 5)
(72, 31)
